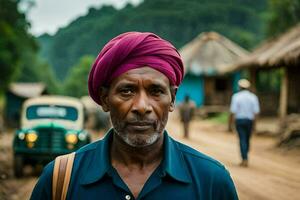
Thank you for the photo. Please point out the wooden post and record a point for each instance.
(253, 74)
(283, 96)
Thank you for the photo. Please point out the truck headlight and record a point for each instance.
(82, 136)
(21, 136)
(71, 138)
(31, 136)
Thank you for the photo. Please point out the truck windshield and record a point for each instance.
(51, 112)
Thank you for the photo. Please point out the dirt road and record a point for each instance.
(11, 188)
(272, 174)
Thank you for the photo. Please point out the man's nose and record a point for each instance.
(141, 105)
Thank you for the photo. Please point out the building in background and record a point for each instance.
(281, 53)
(208, 79)
(16, 94)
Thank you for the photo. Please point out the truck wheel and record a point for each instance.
(18, 166)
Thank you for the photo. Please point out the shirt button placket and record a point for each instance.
(127, 197)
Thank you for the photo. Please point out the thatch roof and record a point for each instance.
(210, 54)
(27, 90)
(281, 51)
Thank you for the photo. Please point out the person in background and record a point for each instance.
(135, 78)
(186, 110)
(244, 108)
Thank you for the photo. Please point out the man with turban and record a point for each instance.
(135, 78)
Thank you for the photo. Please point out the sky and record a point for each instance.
(47, 16)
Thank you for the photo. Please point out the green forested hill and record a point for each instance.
(179, 21)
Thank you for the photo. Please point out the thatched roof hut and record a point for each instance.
(281, 52)
(210, 54)
(206, 59)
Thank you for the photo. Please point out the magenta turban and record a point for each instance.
(132, 50)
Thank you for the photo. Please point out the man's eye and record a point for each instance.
(156, 91)
(126, 91)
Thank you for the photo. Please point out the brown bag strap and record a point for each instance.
(61, 176)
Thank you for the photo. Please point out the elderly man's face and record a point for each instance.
(139, 102)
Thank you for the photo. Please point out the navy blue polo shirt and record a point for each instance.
(184, 173)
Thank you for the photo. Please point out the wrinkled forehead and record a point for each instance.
(145, 75)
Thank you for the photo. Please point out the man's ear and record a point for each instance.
(104, 98)
(173, 95)
(172, 106)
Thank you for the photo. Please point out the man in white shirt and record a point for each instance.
(244, 107)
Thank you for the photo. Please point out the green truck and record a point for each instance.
(50, 126)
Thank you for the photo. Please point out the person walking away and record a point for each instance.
(244, 108)
(186, 109)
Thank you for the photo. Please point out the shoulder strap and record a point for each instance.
(61, 176)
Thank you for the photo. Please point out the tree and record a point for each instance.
(38, 70)
(14, 41)
(77, 79)
(178, 21)
(282, 15)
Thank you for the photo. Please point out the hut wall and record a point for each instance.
(293, 105)
(217, 90)
(13, 109)
(268, 96)
(209, 86)
(193, 87)
(269, 103)
(253, 79)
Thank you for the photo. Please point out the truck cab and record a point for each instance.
(50, 126)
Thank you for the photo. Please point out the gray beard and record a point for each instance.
(139, 140)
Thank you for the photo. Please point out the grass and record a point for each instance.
(220, 118)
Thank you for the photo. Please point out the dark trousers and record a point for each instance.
(244, 129)
(186, 129)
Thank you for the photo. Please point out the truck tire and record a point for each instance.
(18, 166)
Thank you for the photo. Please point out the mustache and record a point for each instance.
(141, 122)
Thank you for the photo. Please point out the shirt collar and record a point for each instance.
(173, 162)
